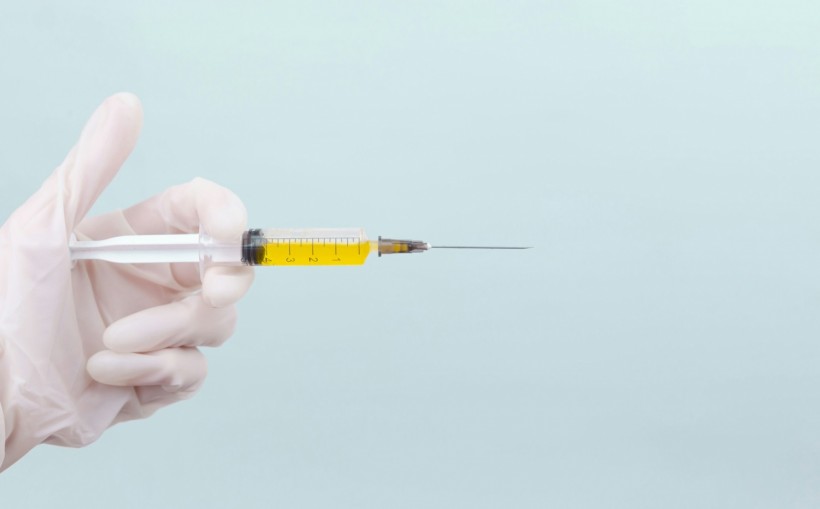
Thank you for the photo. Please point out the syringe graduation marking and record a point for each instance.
(311, 250)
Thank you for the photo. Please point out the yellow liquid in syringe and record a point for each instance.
(332, 251)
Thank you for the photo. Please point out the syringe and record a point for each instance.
(267, 247)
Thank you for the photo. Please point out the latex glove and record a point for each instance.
(84, 348)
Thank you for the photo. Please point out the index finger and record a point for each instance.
(186, 207)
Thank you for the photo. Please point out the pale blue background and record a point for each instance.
(659, 348)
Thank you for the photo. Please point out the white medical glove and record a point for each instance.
(86, 347)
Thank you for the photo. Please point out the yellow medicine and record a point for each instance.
(315, 252)
(313, 247)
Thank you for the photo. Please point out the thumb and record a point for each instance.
(107, 139)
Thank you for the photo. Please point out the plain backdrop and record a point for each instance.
(659, 348)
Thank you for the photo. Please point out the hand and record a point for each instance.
(86, 347)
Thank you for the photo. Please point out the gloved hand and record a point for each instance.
(86, 347)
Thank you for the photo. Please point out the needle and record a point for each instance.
(480, 247)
